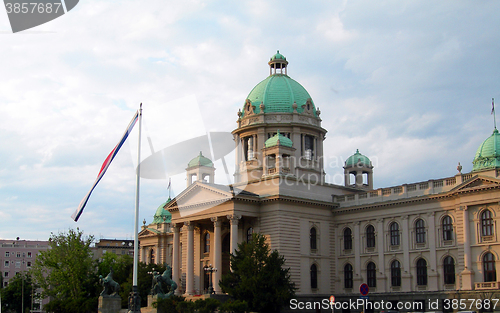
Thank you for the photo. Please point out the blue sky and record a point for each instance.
(409, 83)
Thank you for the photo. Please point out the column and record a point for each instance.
(233, 220)
(381, 261)
(217, 253)
(468, 273)
(190, 258)
(175, 258)
(406, 270)
(358, 243)
(433, 283)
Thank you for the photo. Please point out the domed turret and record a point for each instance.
(279, 102)
(361, 167)
(200, 169)
(162, 215)
(488, 154)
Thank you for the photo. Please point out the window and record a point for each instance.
(314, 276)
(5, 274)
(394, 234)
(308, 147)
(312, 236)
(420, 231)
(347, 239)
(348, 276)
(370, 236)
(18, 254)
(421, 272)
(29, 254)
(371, 275)
(29, 264)
(7, 263)
(152, 256)
(449, 270)
(206, 243)
(249, 234)
(395, 273)
(447, 228)
(7, 254)
(486, 223)
(18, 264)
(489, 270)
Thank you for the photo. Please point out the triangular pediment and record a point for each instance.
(200, 196)
(477, 182)
(146, 232)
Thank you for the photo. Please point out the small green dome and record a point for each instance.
(277, 56)
(283, 141)
(488, 153)
(200, 161)
(358, 158)
(162, 213)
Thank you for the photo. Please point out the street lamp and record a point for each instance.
(209, 269)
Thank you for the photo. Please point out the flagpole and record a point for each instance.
(135, 299)
(493, 111)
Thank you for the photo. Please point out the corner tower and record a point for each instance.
(279, 102)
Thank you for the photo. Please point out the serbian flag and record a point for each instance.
(104, 167)
(492, 105)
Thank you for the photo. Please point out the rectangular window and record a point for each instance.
(18, 264)
(7, 254)
(29, 264)
(7, 263)
(6, 274)
(29, 254)
(18, 254)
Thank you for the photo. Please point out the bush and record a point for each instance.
(168, 305)
(236, 306)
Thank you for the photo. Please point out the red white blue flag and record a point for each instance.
(104, 167)
(492, 105)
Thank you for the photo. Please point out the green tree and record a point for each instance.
(12, 295)
(67, 273)
(144, 281)
(258, 277)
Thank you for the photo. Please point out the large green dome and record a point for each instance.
(278, 92)
(358, 158)
(488, 153)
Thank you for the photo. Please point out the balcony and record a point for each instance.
(492, 285)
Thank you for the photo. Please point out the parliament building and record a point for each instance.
(419, 242)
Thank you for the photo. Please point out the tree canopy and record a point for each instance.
(67, 273)
(258, 276)
(12, 295)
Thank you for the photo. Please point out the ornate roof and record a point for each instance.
(200, 161)
(357, 158)
(488, 153)
(278, 139)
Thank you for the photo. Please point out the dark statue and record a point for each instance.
(163, 286)
(111, 287)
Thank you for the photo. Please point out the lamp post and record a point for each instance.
(209, 269)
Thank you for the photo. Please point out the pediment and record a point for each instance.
(199, 197)
(477, 182)
(148, 232)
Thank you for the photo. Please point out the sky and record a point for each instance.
(408, 83)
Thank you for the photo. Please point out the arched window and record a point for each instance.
(370, 236)
(420, 231)
(348, 276)
(314, 276)
(421, 272)
(395, 273)
(486, 223)
(347, 239)
(394, 233)
(447, 228)
(312, 237)
(371, 275)
(490, 273)
(449, 270)
(206, 243)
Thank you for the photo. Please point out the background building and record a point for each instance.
(419, 242)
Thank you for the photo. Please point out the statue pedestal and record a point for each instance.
(109, 304)
(151, 299)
